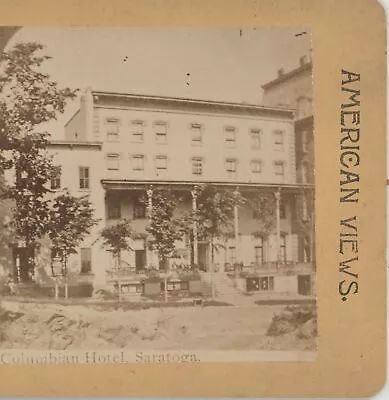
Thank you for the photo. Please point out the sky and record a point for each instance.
(200, 63)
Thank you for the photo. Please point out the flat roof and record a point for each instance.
(182, 103)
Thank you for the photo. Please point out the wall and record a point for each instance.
(287, 92)
(179, 147)
(70, 158)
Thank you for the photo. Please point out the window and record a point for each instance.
(304, 141)
(282, 211)
(232, 254)
(139, 209)
(306, 249)
(231, 167)
(161, 164)
(197, 134)
(304, 209)
(278, 140)
(255, 138)
(138, 163)
(258, 251)
(113, 162)
(113, 208)
(160, 132)
(86, 260)
(230, 135)
(197, 166)
(256, 167)
(283, 248)
(55, 182)
(84, 177)
(266, 283)
(279, 168)
(304, 173)
(137, 130)
(112, 130)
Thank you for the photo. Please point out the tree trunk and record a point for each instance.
(66, 276)
(165, 288)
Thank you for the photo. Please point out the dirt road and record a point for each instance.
(52, 326)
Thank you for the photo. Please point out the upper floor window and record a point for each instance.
(304, 208)
(112, 129)
(255, 138)
(304, 173)
(84, 177)
(256, 166)
(138, 162)
(304, 141)
(231, 167)
(230, 136)
(137, 131)
(306, 249)
(55, 181)
(161, 164)
(278, 140)
(197, 133)
(112, 162)
(160, 132)
(279, 168)
(197, 166)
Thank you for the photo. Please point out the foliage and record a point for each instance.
(115, 238)
(164, 228)
(29, 98)
(70, 220)
(215, 213)
(263, 205)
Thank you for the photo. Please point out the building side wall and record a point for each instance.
(70, 159)
(288, 92)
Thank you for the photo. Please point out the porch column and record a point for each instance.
(149, 203)
(277, 195)
(195, 241)
(236, 228)
(17, 261)
(149, 252)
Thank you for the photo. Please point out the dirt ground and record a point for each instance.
(52, 326)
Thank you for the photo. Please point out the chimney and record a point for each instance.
(280, 72)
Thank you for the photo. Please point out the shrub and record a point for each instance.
(290, 319)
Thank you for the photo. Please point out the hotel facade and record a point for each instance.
(120, 148)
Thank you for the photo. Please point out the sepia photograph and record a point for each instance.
(157, 195)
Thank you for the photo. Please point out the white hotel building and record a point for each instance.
(118, 147)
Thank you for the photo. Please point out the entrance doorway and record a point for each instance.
(140, 259)
(203, 255)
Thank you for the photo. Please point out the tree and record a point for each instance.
(71, 219)
(164, 228)
(115, 238)
(215, 213)
(28, 100)
(263, 205)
